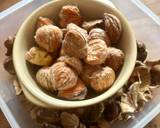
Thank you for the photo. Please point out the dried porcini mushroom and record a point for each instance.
(42, 115)
(75, 40)
(102, 123)
(97, 33)
(8, 65)
(102, 79)
(49, 37)
(112, 110)
(96, 52)
(78, 92)
(93, 113)
(73, 62)
(69, 120)
(112, 27)
(17, 87)
(39, 57)
(62, 76)
(9, 45)
(70, 14)
(141, 51)
(88, 25)
(87, 72)
(43, 21)
(115, 58)
(155, 74)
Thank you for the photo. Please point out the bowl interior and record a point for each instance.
(90, 9)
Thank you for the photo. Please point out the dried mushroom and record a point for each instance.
(43, 21)
(39, 57)
(96, 52)
(93, 113)
(102, 123)
(17, 87)
(141, 51)
(78, 92)
(102, 79)
(73, 62)
(74, 43)
(155, 74)
(115, 58)
(49, 37)
(88, 25)
(87, 72)
(69, 14)
(42, 115)
(9, 45)
(98, 33)
(8, 65)
(69, 120)
(112, 27)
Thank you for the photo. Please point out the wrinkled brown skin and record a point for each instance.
(115, 58)
(49, 37)
(98, 33)
(88, 25)
(41, 21)
(87, 72)
(69, 14)
(96, 52)
(112, 27)
(77, 92)
(74, 44)
(103, 79)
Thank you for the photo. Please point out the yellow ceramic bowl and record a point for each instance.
(90, 9)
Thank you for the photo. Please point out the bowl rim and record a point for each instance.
(55, 102)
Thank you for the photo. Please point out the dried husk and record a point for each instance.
(39, 57)
(73, 62)
(49, 37)
(96, 52)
